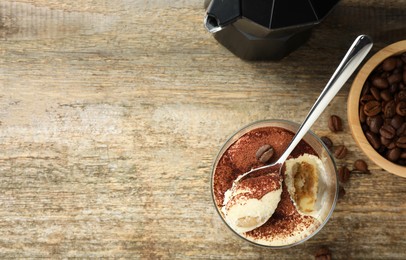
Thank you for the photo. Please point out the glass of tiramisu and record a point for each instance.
(274, 209)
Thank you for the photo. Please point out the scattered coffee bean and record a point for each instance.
(343, 174)
(323, 253)
(361, 166)
(335, 123)
(264, 153)
(340, 152)
(327, 141)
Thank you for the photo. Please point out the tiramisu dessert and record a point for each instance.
(269, 208)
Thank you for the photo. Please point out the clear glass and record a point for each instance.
(328, 184)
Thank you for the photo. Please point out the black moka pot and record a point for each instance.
(264, 29)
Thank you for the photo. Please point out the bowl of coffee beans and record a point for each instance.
(377, 108)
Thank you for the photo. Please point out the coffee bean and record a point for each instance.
(393, 154)
(372, 108)
(385, 142)
(327, 141)
(375, 123)
(376, 93)
(361, 166)
(401, 108)
(366, 98)
(264, 153)
(401, 142)
(373, 140)
(403, 155)
(390, 109)
(389, 64)
(387, 131)
(323, 253)
(380, 82)
(397, 121)
(385, 95)
(391, 145)
(395, 78)
(343, 174)
(340, 152)
(401, 130)
(335, 123)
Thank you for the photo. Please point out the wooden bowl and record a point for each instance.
(353, 108)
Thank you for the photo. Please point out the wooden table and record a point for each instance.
(113, 111)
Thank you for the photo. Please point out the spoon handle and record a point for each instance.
(352, 59)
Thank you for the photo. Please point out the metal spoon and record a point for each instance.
(353, 58)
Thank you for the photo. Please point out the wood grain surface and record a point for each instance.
(111, 114)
